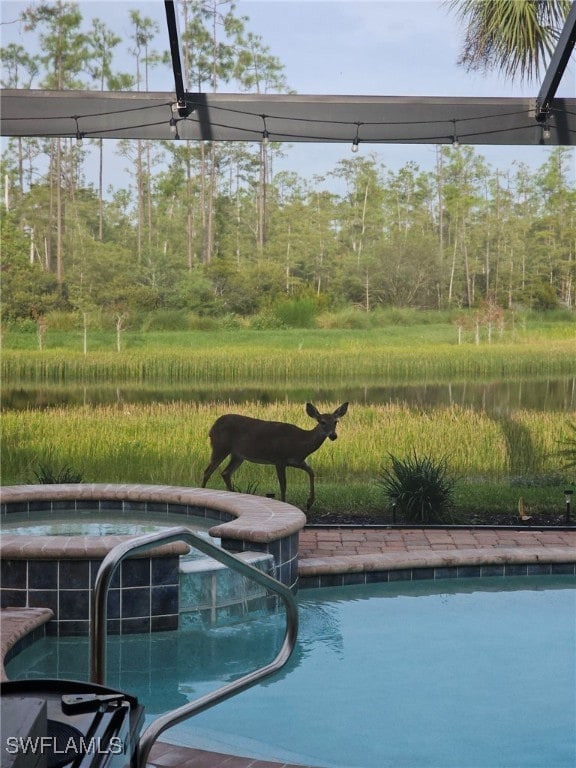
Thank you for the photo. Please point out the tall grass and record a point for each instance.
(344, 360)
(168, 444)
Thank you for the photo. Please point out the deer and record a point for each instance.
(244, 438)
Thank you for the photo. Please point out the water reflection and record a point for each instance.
(558, 394)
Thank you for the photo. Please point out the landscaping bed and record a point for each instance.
(492, 519)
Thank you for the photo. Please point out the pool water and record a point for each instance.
(98, 523)
(444, 674)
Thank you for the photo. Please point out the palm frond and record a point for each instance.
(515, 37)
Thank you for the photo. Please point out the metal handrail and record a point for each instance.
(99, 616)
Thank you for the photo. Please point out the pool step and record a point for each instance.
(213, 595)
(18, 628)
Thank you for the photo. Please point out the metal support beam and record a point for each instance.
(557, 66)
(289, 117)
(183, 108)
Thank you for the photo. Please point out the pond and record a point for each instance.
(548, 394)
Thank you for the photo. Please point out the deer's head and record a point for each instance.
(327, 421)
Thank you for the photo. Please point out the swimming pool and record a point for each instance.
(451, 674)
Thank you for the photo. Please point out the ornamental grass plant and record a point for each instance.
(420, 489)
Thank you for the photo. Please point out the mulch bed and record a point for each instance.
(537, 520)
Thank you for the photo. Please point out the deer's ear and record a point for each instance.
(312, 411)
(341, 410)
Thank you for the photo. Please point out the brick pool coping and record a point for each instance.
(12, 546)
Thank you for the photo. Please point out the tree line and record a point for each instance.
(213, 229)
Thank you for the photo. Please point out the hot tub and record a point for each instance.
(67, 530)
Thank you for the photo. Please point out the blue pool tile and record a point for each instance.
(74, 574)
(492, 570)
(13, 598)
(309, 582)
(445, 573)
(567, 569)
(40, 506)
(136, 573)
(135, 602)
(164, 571)
(12, 574)
(419, 574)
(331, 580)
(129, 626)
(469, 571)
(403, 574)
(43, 574)
(377, 577)
(113, 604)
(352, 579)
(86, 505)
(155, 506)
(164, 623)
(73, 628)
(515, 569)
(539, 569)
(73, 604)
(44, 598)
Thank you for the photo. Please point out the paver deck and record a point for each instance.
(340, 556)
(168, 756)
(323, 543)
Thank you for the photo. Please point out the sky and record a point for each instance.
(361, 47)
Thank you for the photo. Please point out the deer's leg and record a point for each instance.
(308, 469)
(231, 467)
(281, 472)
(215, 461)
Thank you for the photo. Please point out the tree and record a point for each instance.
(218, 50)
(554, 233)
(408, 275)
(219, 232)
(256, 69)
(102, 42)
(362, 224)
(28, 291)
(515, 37)
(208, 60)
(463, 173)
(65, 52)
(144, 31)
(21, 69)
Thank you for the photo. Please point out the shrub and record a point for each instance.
(63, 321)
(420, 489)
(48, 476)
(568, 452)
(231, 322)
(265, 321)
(296, 313)
(349, 318)
(166, 320)
(203, 323)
